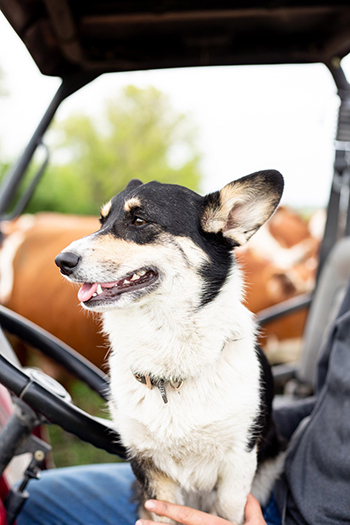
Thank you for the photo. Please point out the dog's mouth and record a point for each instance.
(93, 294)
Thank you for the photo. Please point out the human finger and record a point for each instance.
(181, 514)
(253, 513)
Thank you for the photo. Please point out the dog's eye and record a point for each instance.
(138, 221)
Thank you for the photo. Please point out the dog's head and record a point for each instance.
(161, 235)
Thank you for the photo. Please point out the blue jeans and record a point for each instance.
(271, 513)
(89, 495)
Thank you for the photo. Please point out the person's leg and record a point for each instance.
(92, 495)
(271, 512)
(87, 495)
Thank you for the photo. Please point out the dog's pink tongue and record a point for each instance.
(87, 291)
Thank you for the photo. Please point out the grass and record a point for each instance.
(67, 449)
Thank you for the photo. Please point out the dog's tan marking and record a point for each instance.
(215, 216)
(241, 209)
(166, 489)
(134, 202)
(107, 248)
(109, 243)
(161, 487)
(105, 209)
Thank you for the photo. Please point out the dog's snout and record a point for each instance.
(67, 262)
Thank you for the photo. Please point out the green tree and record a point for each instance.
(3, 93)
(139, 135)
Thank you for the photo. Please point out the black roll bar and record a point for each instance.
(15, 175)
(49, 345)
(58, 411)
(268, 315)
(334, 229)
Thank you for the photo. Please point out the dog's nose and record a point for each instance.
(67, 262)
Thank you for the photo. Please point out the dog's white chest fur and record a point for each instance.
(206, 425)
(161, 270)
(200, 425)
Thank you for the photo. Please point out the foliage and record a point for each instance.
(138, 135)
(3, 93)
(68, 449)
(3, 168)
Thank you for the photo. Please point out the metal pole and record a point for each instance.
(341, 165)
(15, 175)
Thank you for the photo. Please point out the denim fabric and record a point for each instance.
(87, 495)
(91, 495)
(271, 513)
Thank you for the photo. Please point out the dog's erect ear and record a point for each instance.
(241, 207)
(131, 185)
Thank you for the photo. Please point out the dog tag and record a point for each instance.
(161, 388)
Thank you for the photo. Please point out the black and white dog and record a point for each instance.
(190, 392)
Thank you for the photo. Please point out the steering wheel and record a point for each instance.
(46, 396)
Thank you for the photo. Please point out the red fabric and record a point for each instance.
(4, 488)
(6, 408)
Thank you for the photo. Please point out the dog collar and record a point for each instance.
(160, 383)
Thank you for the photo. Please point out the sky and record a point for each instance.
(248, 117)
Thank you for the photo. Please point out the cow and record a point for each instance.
(31, 285)
(279, 263)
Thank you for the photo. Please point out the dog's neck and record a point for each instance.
(172, 338)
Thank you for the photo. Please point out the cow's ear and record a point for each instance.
(241, 207)
(134, 183)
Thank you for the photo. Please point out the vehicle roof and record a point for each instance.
(72, 36)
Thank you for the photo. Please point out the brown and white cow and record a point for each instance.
(279, 263)
(31, 285)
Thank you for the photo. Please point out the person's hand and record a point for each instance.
(188, 516)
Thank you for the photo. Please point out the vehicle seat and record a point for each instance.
(325, 304)
(298, 401)
(299, 379)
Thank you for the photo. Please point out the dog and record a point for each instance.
(191, 394)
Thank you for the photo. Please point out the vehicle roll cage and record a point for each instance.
(79, 41)
(11, 206)
(338, 215)
(61, 353)
(337, 223)
(17, 173)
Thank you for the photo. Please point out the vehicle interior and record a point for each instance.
(79, 41)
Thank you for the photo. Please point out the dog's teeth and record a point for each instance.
(141, 273)
(94, 294)
(134, 277)
(99, 290)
